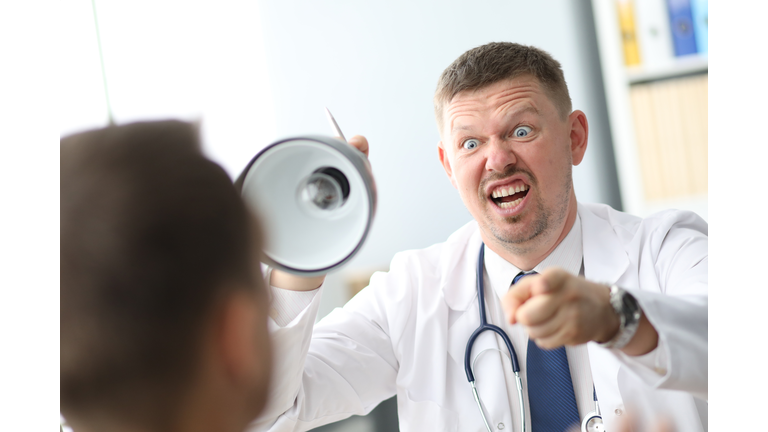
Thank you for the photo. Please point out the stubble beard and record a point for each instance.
(546, 221)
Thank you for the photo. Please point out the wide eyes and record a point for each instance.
(471, 144)
(522, 132)
(519, 132)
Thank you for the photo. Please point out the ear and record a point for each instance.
(579, 134)
(443, 156)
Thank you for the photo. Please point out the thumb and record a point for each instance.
(360, 143)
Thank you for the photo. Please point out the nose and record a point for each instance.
(499, 155)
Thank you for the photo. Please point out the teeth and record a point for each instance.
(498, 193)
(505, 205)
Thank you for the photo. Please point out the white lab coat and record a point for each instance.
(406, 334)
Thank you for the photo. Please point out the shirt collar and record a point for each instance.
(567, 255)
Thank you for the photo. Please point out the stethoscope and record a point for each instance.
(592, 422)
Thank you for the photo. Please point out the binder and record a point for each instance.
(681, 26)
(628, 37)
(653, 33)
(700, 12)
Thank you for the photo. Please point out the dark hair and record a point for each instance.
(152, 235)
(497, 61)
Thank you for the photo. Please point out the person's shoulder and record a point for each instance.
(659, 222)
(438, 253)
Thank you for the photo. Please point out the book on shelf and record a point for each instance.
(681, 27)
(627, 29)
(647, 143)
(670, 119)
(700, 13)
(653, 34)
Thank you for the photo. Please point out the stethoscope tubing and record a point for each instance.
(484, 326)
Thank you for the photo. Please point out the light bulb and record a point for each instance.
(322, 192)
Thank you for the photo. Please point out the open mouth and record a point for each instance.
(509, 196)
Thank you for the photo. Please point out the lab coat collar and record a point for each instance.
(458, 264)
(605, 260)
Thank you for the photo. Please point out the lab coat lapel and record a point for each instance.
(605, 261)
(458, 265)
(459, 287)
(458, 281)
(487, 363)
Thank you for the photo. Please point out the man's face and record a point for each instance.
(509, 153)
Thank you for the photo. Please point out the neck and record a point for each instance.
(530, 255)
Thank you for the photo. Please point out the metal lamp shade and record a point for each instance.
(302, 238)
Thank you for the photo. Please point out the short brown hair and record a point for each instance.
(498, 61)
(152, 234)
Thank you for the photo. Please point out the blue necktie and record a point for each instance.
(550, 389)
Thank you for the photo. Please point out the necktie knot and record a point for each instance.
(522, 275)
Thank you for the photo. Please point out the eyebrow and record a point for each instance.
(528, 109)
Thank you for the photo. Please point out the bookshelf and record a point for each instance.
(621, 84)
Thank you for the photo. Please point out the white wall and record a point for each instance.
(192, 60)
(375, 66)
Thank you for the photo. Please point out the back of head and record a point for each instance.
(152, 234)
(488, 64)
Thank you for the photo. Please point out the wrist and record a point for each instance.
(288, 281)
(629, 314)
(611, 322)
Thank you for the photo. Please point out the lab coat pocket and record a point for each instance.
(421, 416)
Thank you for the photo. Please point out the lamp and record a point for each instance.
(315, 196)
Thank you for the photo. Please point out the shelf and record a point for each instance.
(617, 82)
(678, 67)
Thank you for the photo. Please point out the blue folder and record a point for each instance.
(681, 26)
(700, 24)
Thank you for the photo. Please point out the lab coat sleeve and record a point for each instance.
(345, 366)
(676, 305)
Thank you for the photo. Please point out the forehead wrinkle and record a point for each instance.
(498, 102)
(512, 93)
(460, 109)
(509, 111)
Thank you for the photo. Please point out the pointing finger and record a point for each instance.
(550, 281)
(537, 310)
(514, 298)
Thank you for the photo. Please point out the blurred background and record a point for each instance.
(251, 72)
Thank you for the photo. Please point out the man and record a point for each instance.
(163, 310)
(597, 303)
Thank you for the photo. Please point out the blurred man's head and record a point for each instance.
(163, 308)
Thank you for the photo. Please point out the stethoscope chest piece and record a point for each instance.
(593, 422)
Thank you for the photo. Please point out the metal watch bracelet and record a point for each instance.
(629, 312)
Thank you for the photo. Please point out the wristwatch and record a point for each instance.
(629, 312)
